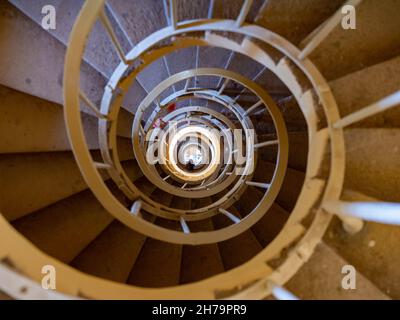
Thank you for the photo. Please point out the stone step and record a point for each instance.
(295, 19)
(372, 251)
(39, 73)
(65, 228)
(202, 261)
(158, 264)
(373, 41)
(40, 179)
(320, 278)
(365, 87)
(372, 162)
(112, 254)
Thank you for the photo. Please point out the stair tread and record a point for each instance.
(291, 187)
(125, 120)
(245, 66)
(201, 202)
(324, 270)
(363, 88)
(158, 263)
(372, 162)
(125, 152)
(201, 261)
(181, 203)
(181, 60)
(211, 57)
(40, 179)
(292, 114)
(65, 228)
(133, 97)
(295, 19)
(130, 17)
(268, 227)
(372, 251)
(222, 11)
(145, 185)
(112, 254)
(30, 124)
(132, 170)
(29, 74)
(373, 40)
(192, 9)
(129, 13)
(38, 80)
(251, 69)
(248, 200)
(239, 249)
(99, 47)
(298, 150)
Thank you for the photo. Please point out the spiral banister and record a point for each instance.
(126, 73)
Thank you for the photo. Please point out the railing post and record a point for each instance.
(107, 25)
(377, 107)
(324, 30)
(381, 212)
(173, 13)
(244, 12)
(281, 293)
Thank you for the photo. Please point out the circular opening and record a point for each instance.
(194, 156)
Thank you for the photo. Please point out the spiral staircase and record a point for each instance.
(311, 183)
